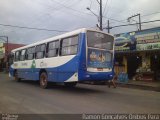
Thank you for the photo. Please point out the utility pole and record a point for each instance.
(100, 14)
(139, 20)
(108, 27)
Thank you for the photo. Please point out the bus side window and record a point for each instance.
(69, 46)
(17, 55)
(52, 49)
(40, 51)
(22, 55)
(30, 53)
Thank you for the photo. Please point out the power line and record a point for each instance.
(105, 7)
(24, 27)
(141, 16)
(150, 14)
(72, 8)
(132, 24)
(83, 12)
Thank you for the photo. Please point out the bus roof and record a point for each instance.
(82, 30)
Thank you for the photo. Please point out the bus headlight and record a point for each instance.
(110, 76)
(87, 76)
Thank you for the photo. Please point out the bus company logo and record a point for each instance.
(33, 64)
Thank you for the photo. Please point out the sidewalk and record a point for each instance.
(154, 86)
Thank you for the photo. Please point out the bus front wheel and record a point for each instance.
(43, 80)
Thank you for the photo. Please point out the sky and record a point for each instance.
(68, 15)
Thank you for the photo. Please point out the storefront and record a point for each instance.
(5, 54)
(138, 54)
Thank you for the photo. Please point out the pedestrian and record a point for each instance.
(112, 81)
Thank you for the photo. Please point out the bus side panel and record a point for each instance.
(52, 74)
(28, 73)
(21, 73)
(82, 58)
(68, 69)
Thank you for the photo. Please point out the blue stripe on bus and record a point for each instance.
(56, 74)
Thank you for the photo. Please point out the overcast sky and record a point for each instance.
(68, 15)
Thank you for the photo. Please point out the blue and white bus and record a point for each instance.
(77, 56)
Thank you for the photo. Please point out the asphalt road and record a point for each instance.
(28, 97)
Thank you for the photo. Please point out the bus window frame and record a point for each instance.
(47, 48)
(21, 55)
(15, 58)
(30, 53)
(60, 49)
(44, 52)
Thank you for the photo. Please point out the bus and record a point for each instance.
(73, 57)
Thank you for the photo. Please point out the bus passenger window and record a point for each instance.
(17, 56)
(53, 49)
(69, 46)
(30, 53)
(22, 55)
(40, 51)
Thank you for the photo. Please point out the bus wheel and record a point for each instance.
(70, 84)
(43, 80)
(16, 78)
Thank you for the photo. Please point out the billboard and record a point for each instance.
(148, 39)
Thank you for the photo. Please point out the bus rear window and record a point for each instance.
(100, 40)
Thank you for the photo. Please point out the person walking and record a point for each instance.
(113, 81)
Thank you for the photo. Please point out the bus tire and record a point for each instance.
(16, 78)
(43, 80)
(70, 84)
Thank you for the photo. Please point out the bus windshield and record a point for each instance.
(99, 40)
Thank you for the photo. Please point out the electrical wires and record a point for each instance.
(24, 27)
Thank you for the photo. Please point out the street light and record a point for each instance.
(94, 14)
(7, 48)
(100, 14)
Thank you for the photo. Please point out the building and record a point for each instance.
(5, 53)
(137, 54)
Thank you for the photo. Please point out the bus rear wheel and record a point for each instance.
(16, 78)
(70, 84)
(43, 80)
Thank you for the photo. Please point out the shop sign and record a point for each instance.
(140, 40)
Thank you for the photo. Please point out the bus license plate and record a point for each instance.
(100, 69)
